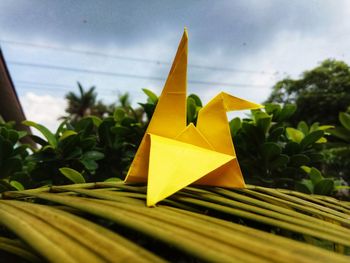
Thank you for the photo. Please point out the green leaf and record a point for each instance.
(196, 99)
(286, 112)
(4, 132)
(38, 140)
(85, 125)
(307, 169)
(191, 110)
(105, 133)
(324, 187)
(118, 114)
(314, 127)
(50, 137)
(341, 133)
(66, 134)
(148, 108)
(305, 186)
(303, 127)
(294, 135)
(325, 127)
(264, 124)
(89, 164)
(311, 138)
(315, 175)
(152, 98)
(344, 119)
(72, 175)
(13, 136)
(61, 128)
(270, 150)
(272, 108)
(17, 185)
(128, 121)
(69, 144)
(235, 125)
(5, 186)
(96, 120)
(48, 148)
(258, 114)
(262, 120)
(21, 134)
(322, 140)
(73, 154)
(93, 155)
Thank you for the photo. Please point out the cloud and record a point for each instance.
(43, 109)
(259, 35)
(227, 27)
(220, 34)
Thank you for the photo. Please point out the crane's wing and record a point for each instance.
(212, 123)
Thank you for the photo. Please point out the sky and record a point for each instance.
(242, 47)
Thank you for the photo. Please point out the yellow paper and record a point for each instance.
(168, 173)
(172, 155)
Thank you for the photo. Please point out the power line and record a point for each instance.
(62, 93)
(55, 90)
(51, 87)
(125, 75)
(135, 59)
(48, 89)
(25, 82)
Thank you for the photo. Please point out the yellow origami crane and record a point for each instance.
(173, 155)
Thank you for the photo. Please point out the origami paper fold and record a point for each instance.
(173, 155)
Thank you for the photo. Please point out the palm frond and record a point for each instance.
(109, 222)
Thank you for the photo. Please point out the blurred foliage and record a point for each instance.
(273, 154)
(87, 148)
(13, 167)
(320, 94)
(271, 150)
(337, 152)
(85, 104)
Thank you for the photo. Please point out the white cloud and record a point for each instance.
(248, 35)
(43, 109)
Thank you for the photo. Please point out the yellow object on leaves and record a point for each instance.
(173, 155)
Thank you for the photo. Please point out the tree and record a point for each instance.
(124, 104)
(84, 104)
(320, 94)
(79, 105)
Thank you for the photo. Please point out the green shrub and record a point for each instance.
(338, 151)
(273, 154)
(13, 168)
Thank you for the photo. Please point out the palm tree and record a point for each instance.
(81, 105)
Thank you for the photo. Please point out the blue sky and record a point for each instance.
(251, 44)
